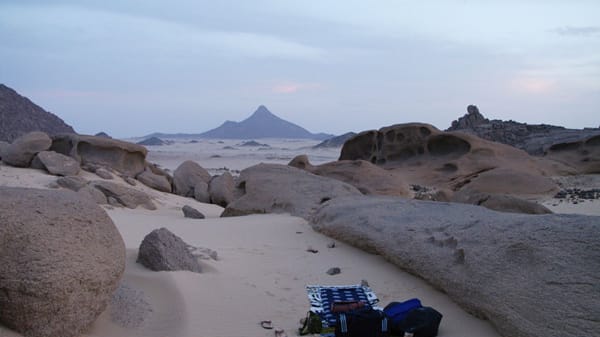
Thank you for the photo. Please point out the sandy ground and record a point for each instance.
(262, 269)
(261, 272)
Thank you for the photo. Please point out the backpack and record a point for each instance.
(421, 322)
(397, 311)
(362, 322)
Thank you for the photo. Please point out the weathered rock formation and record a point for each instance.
(529, 275)
(186, 176)
(61, 258)
(126, 158)
(452, 160)
(366, 177)
(18, 116)
(22, 150)
(162, 250)
(273, 188)
(535, 139)
(583, 155)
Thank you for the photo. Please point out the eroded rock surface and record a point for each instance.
(124, 157)
(186, 176)
(423, 155)
(530, 275)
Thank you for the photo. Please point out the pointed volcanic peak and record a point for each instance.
(19, 115)
(262, 124)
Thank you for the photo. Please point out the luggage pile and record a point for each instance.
(352, 311)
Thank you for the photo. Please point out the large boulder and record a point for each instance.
(22, 150)
(186, 176)
(424, 155)
(155, 181)
(58, 164)
(366, 177)
(125, 196)
(161, 250)
(125, 157)
(61, 257)
(530, 275)
(274, 188)
(221, 189)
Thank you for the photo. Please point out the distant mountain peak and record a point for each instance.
(262, 111)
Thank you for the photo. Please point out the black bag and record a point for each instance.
(422, 322)
(361, 322)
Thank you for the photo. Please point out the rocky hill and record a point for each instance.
(535, 139)
(19, 115)
(261, 124)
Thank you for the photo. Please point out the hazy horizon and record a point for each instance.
(136, 67)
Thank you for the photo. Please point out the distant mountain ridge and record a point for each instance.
(261, 124)
(19, 115)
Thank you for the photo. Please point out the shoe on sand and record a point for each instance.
(266, 324)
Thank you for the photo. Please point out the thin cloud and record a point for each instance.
(291, 87)
(578, 31)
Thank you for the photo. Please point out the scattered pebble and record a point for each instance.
(311, 250)
(331, 244)
(334, 271)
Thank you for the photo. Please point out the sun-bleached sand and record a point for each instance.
(262, 269)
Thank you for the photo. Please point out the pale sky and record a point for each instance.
(134, 67)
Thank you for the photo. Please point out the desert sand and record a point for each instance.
(262, 269)
(263, 264)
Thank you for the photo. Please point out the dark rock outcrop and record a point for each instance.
(191, 212)
(18, 116)
(529, 275)
(152, 141)
(58, 164)
(61, 259)
(273, 188)
(336, 141)
(124, 157)
(186, 176)
(535, 139)
(102, 134)
(161, 250)
(21, 152)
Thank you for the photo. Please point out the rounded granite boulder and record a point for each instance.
(61, 258)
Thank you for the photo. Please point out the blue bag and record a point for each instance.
(396, 312)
